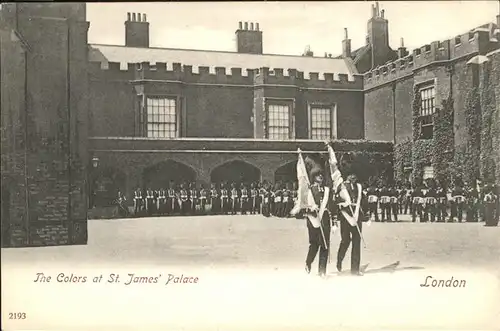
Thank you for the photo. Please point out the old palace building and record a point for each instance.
(80, 118)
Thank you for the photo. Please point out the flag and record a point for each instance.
(305, 199)
(335, 174)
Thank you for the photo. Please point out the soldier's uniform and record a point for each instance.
(287, 201)
(171, 200)
(394, 204)
(348, 233)
(417, 202)
(215, 200)
(430, 205)
(408, 205)
(254, 199)
(442, 202)
(122, 207)
(203, 198)
(458, 201)
(193, 198)
(373, 197)
(161, 201)
(138, 201)
(265, 194)
(295, 194)
(278, 201)
(319, 238)
(184, 200)
(234, 199)
(244, 200)
(385, 204)
(400, 195)
(224, 199)
(472, 198)
(491, 202)
(150, 202)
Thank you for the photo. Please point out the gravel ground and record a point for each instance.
(250, 274)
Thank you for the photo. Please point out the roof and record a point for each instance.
(212, 59)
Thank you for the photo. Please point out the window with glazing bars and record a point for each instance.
(321, 123)
(427, 110)
(161, 117)
(278, 122)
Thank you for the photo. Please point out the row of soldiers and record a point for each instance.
(428, 203)
(432, 202)
(187, 199)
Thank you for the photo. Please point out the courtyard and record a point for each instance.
(249, 272)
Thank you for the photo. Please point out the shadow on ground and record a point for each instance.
(391, 268)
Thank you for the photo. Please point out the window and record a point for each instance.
(321, 123)
(161, 117)
(427, 110)
(278, 122)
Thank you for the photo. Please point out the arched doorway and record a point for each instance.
(235, 171)
(286, 173)
(161, 174)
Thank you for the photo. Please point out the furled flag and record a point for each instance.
(337, 185)
(305, 199)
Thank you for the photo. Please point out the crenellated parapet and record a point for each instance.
(188, 74)
(313, 80)
(477, 41)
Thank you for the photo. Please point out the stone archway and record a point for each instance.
(235, 171)
(287, 173)
(161, 174)
(107, 181)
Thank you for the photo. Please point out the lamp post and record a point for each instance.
(95, 164)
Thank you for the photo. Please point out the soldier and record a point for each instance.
(373, 197)
(490, 201)
(458, 201)
(214, 199)
(295, 193)
(161, 201)
(254, 199)
(441, 204)
(122, 208)
(349, 233)
(203, 199)
(385, 204)
(400, 195)
(171, 199)
(394, 203)
(288, 202)
(264, 200)
(234, 199)
(430, 203)
(138, 201)
(319, 226)
(243, 199)
(408, 206)
(193, 198)
(277, 199)
(224, 200)
(417, 202)
(472, 198)
(150, 201)
(184, 200)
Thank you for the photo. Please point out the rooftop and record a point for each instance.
(212, 59)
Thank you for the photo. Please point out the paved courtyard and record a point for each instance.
(250, 274)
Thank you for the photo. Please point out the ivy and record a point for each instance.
(402, 159)
(417, 104)
(443, 142)
(421, 157)
(487, 154)
(473, 140)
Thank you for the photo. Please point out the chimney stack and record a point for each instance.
(136, 30)
(402, 49)
(248, 40)
(346, 45)
(382, 13)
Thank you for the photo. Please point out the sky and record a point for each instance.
(288, 27)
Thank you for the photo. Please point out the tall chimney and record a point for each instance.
(402, 49)
(346, 45)
(249, 41)
(136, 31)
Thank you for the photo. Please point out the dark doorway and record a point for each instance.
(159, 175)
(107, 182)
(235, 171)
(286, 173)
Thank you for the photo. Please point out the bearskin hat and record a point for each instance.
(315, 165)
